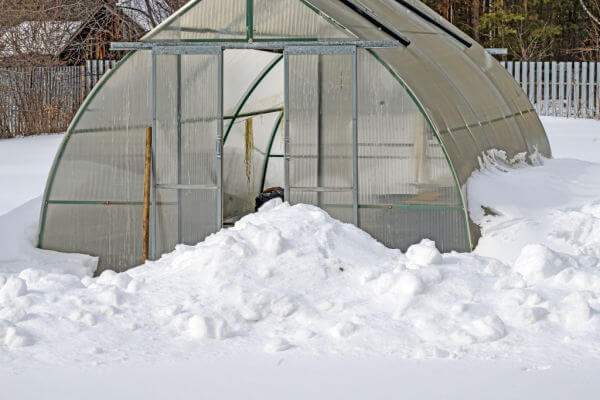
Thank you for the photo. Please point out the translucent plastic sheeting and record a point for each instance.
(95, 191)
(292, 19)
(187, 115)
(204, 20)
(406, 187)
(112, 232)
(320, 132)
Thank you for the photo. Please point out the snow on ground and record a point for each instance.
(290, 302)
(25, 163)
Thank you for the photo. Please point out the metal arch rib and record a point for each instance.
(249, 92)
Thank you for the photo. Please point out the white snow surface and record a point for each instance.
(288, 290)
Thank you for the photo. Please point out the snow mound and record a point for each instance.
(293, 279)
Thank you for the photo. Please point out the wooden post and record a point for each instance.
(146, 215)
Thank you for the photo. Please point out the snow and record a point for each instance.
(290, 302)
(25, 163)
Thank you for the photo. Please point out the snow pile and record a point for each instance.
(291, 278)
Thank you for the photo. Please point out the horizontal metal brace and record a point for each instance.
(321, 189)
(298, 50)
(176, 50)
(186, 187)
(175, 47)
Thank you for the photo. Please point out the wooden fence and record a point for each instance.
(37, 100)
(561, 89)
(45, 99)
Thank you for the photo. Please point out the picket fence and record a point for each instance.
(560, 89)
(45, 99)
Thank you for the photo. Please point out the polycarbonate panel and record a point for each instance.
(197, 220)
(399, 228)
(292, 19)
(204, 20)
(95, 193)
(320, 130)
(187, 91)
(111, 232)
(103, 159)
(406, 187)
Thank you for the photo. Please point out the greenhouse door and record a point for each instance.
(321, 160)
(187, 145)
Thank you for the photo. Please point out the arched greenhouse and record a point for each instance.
(374, 110)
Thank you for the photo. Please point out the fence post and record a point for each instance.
(591, 76)
(576, 91)
(518, 72)
(524, 78)
(532, 82)
(584, 84)
(569, 93)
(538, 92)
(547, 84)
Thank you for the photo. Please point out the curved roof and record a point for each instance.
(471, 100)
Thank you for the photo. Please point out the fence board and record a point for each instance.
(547, 83)
(566, 89)
(44, 99)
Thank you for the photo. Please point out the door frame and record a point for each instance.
(158, 51)
(323, 50)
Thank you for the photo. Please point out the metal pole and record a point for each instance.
(179, 161)
(320, 104)
(220, 141)
(153, 180)
(355, 133)
(286, 130)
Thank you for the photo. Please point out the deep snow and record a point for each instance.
(290, 289)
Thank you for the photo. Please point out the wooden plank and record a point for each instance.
(538, 88)
(547, 84)
(576, 89)
(511, 68)
(524, 77)
(598, 90)
(518, 72)
(569, 87)
(584, 84)
(561, 89)
(532, 82)
(591, 89)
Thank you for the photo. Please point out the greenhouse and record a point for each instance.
(373, 110)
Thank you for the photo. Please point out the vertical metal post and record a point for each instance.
(355, 133)
(321, 102)
(220, 141)
(286, 130)
(179, 160)
(153, 213)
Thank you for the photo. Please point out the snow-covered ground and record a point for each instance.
(291, 303)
